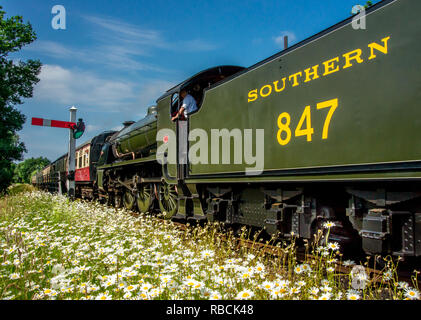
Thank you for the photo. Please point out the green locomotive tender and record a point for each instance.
(325, 130)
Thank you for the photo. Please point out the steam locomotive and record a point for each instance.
(324, 130)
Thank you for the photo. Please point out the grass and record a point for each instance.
(51, 248)
(19, 188)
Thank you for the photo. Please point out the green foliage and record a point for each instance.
(368, 4)
(16, 189)
(26, 169)
(17, 81)
(6, 174)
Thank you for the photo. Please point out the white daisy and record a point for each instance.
(244, 295)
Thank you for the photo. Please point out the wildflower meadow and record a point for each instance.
(51, 248)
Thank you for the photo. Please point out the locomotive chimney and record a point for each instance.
(285, 42)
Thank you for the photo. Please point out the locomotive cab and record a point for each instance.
(196, 85)
(106, 156)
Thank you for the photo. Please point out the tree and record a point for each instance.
(368, 4)
(18, 79)
(25, 170)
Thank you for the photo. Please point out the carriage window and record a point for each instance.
(80, 161)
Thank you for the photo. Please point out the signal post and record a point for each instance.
(75, 132)
(71, 158)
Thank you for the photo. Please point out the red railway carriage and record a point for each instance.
(82, 173)
(86, 158)
(54, 176)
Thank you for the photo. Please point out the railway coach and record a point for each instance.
(54, 176)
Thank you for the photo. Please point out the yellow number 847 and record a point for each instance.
(284, 121)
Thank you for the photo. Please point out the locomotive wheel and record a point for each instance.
(144, 197)
(110, 200)
(167, 199)
(118, 201)
(129, 200)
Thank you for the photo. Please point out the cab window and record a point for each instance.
(174, 104)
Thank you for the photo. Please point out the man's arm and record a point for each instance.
(178, 114)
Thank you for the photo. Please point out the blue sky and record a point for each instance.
(115, 58)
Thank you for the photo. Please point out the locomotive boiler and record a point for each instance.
(136, 139)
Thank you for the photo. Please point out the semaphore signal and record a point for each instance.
(53, 123)
(77, 130)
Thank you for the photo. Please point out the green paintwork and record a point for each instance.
(378, 119)
(138, 137)
(78, 134)
(129, 200)
(60, 165)
(99, 178)
(164, 121)
(144, 197)
(384, 176)
(167, 199)
(128, 162)
(101, 169)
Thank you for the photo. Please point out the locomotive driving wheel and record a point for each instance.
(167, 199)
(118, 200)
(129, 200)
(144, 197)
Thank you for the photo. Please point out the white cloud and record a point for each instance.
(68, 87)
(117, 128)
(151, 91)
(279, 40)
(52, 48)
(93, 128)
(132, 34)
(75, 87)
(114, 56)
(119, 45)
(127, 32)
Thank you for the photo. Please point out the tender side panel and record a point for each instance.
(351, 98)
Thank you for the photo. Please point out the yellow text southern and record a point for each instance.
(347, 60)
